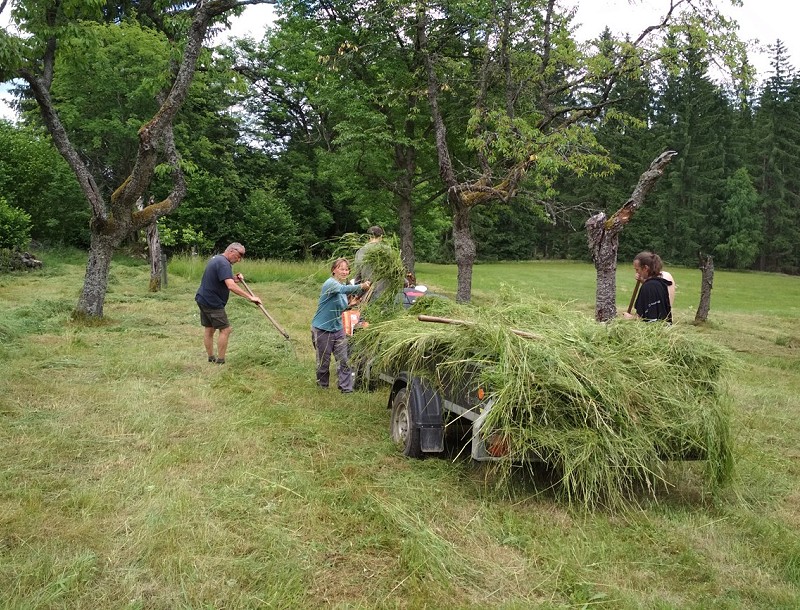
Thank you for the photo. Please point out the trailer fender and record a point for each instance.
(425, 406)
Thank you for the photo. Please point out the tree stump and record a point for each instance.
(706, 284)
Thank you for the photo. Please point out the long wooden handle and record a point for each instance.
(424, 318)
(520, 333)
(633, 296)
(266, 313)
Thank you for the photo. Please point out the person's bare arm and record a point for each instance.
(231, 284)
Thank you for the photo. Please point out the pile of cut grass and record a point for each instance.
(384, 267)
(388, 273)
(606, 406)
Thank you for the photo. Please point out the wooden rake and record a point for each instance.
(266, 313)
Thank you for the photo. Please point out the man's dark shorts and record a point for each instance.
(214, 318)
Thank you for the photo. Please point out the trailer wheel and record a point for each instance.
(405, 434)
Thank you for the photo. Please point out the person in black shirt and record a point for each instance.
(653, 302)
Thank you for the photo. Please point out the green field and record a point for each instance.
(137, 475)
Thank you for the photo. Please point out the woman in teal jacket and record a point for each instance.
(327, 332)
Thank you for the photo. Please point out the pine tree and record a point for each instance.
(741, 227)
(693, 119)
(777, 128)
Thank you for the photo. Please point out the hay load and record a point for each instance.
(608, 406)
(387, 273)
(382, 265)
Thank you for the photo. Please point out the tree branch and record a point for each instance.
(443, 153)
(600, 227)
(57, 131)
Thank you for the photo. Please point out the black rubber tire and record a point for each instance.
(404, 432)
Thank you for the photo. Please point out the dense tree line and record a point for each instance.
(474, 130)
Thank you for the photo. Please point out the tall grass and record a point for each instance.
(137, 475)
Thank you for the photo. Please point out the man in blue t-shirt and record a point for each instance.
(212, 296)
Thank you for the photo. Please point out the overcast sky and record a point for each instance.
(762, 20)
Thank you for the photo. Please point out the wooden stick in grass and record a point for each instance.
(520, 333)
(633, 296)
(266, 313)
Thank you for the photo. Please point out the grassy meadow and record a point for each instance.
(137, 475)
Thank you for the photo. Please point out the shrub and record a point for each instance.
(266, 227)
(15, 227)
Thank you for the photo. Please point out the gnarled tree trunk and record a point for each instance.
(156, 261)
(464, 250)
(603, 237)
(406, 161)
(153, 252)
(95, 282)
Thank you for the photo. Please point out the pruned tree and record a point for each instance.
(43, 29)
(157, 271)
(603, 238)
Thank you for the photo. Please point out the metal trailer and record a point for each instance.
(421, 417)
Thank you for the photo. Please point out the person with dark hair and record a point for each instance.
(217, 283)
(327, 331)
(654, 301)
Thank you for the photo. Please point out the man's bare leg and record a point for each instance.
(222, 342)
(208, 340)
